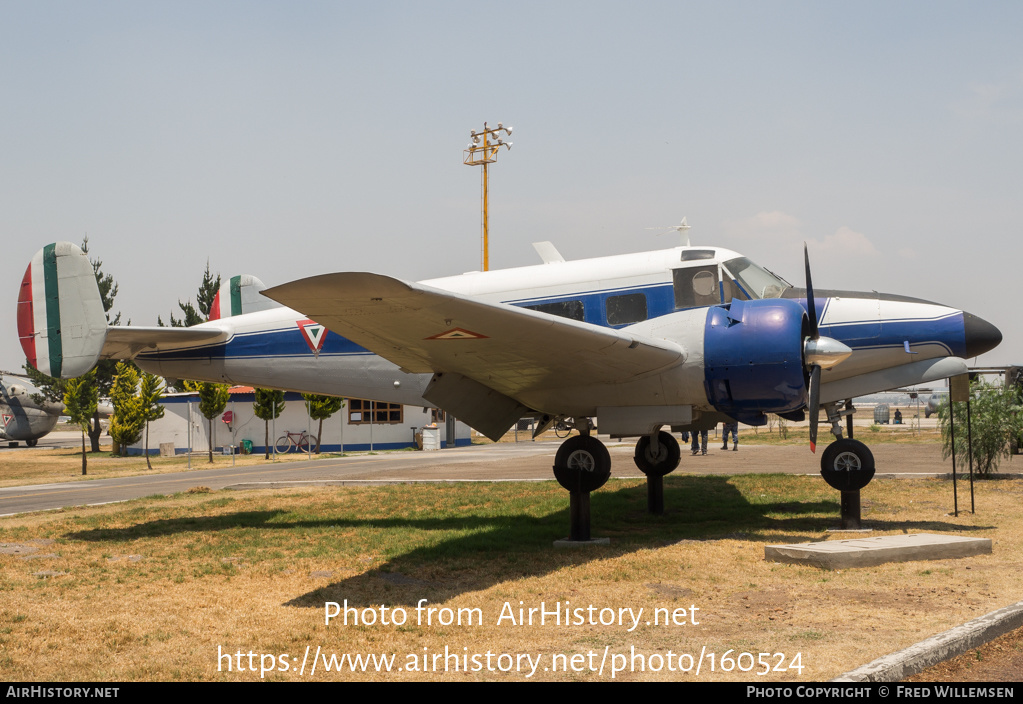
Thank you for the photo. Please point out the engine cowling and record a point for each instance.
(753, 358)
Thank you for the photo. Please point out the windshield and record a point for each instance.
(757, 282)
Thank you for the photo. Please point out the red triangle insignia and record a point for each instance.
(457, 334)
(313, 333)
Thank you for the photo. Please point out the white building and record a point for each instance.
(360, 425)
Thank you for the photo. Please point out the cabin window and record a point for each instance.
(573, 310)
(696, 286)
(625, 309)
(361, 411)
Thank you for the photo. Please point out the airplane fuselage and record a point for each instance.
(676, 294)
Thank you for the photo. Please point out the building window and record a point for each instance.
(362, 411)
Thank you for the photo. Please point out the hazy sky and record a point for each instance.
(288, 139)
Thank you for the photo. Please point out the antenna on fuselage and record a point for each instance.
(682, 229)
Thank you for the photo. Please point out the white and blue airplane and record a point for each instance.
(681, 338)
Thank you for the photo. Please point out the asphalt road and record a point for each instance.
(504, 461)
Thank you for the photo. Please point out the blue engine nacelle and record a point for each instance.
(753, 358)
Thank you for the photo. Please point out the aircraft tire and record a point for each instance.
(847, 465)
(33, 442)
(582, 464)
(666, 460)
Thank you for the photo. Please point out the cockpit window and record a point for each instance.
(757, 282)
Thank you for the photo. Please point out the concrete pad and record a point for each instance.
(866, 552)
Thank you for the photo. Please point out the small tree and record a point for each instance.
(320, 408)
(269, 405)
(128, 420)
(212, 402)
(995, 419)
(150, 392)
(81, 398)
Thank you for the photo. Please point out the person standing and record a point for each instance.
(697, 436)
(732, 428)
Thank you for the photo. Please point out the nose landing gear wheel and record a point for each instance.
(848, 465)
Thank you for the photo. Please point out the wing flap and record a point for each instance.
(503, 347)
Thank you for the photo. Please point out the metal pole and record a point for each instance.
(372, 408)
(486, 214)
(952, 430)
(189, 433)
(969, 445)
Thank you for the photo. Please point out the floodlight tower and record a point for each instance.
(482, 150)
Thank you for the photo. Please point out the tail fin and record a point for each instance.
(240, 295)
(61, 323)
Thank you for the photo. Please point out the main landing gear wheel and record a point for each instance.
(848, 465)
(33, 442)
(660, 462)
(655, 462)
(582, 465)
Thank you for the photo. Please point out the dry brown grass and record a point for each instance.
(148, 590)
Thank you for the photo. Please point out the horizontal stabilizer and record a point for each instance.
(126, 342)
(61, 321)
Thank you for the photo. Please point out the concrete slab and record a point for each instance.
(866, 552)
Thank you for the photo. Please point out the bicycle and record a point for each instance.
(303, 441)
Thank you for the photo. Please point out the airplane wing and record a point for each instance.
(125, 342)
(504, 348)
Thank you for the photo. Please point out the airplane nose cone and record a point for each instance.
(981, 336)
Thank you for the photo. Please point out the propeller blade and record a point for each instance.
(811, 306)
(813, 407)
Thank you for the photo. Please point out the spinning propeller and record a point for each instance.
(818, 353)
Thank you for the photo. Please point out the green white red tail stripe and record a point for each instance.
(61, 323)
(228, 300)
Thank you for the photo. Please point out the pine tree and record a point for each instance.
(207, 292)
(193, 315)
(129, 418)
